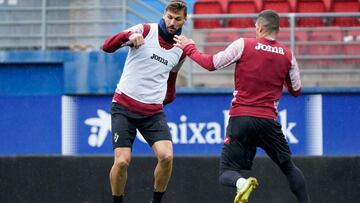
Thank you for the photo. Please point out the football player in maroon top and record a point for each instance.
(263, 66)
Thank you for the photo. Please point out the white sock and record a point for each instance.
(240, 182)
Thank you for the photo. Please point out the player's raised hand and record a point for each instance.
(182, 41)
(136, 39)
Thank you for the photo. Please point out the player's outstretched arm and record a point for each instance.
(220, 60)
(189, 48)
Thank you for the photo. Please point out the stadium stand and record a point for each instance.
(310, 6)
(280, 6)
(241, 7)
(320, 42)
(248, 34)
(220, 40)
(73, 25)
(301, 37)
(345, 6)
(325, 43)
(352, 36)
(284, 37)
(208, 7)
(325, 38)
(352, 46)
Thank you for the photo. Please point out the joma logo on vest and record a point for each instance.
(159, 58)
(269, 48)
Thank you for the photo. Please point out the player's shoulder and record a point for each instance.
(146, 26)
(239, 42)
(286, 49)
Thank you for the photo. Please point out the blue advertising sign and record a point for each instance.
(197, 124)
(341, 123)
(30, 125)
(314, 124)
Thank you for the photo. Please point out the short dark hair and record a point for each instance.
(176, 6)
(269, 20)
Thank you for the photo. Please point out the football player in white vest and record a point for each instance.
(146, 85)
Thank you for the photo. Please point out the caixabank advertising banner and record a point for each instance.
(313, 124)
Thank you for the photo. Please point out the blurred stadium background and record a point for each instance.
(56, 87)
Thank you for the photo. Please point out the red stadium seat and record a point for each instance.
(280, 6)
(208, 7)
(310, 6)
(327, 4)
(223, 38)
(292, 4)
(345, 6)
(241, 7)
(224, 4)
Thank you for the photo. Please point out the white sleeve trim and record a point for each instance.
(295, 74)
(230, 55)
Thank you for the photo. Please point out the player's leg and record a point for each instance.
(237, 154)
(275, 145)
(296, 181)
(156, 132)
(118, 172)
(123, 135)
(164, 153)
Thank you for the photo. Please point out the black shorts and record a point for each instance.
(125, 122)
(244, 134)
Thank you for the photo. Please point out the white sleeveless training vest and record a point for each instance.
(147, 68)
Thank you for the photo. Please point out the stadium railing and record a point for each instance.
(70, 24)
(328, 55)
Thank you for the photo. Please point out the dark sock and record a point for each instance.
(157, 196)
(118, 199)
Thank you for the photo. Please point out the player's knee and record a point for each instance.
(122, 163)
(166, 158)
